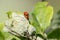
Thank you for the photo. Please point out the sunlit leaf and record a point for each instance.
(1, 26)
(41, 16)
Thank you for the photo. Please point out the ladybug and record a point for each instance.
(26, 14)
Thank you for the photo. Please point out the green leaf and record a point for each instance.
(1, 26)
(8, 36)
(1, 36)
(54, 34)
(9, 13)
(35, 23)
(41, 16)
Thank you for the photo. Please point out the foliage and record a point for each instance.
(41, 17)
(19, 28)
(55, 32)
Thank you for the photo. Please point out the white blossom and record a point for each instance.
(38, 38)
(5, 29)
(20, 24)
(31, 29)
(8, 24)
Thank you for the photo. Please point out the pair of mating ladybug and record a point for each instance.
(26, 14)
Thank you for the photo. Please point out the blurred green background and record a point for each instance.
(23, 5)
(15, 5)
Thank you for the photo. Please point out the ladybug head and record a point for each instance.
(26, 14)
